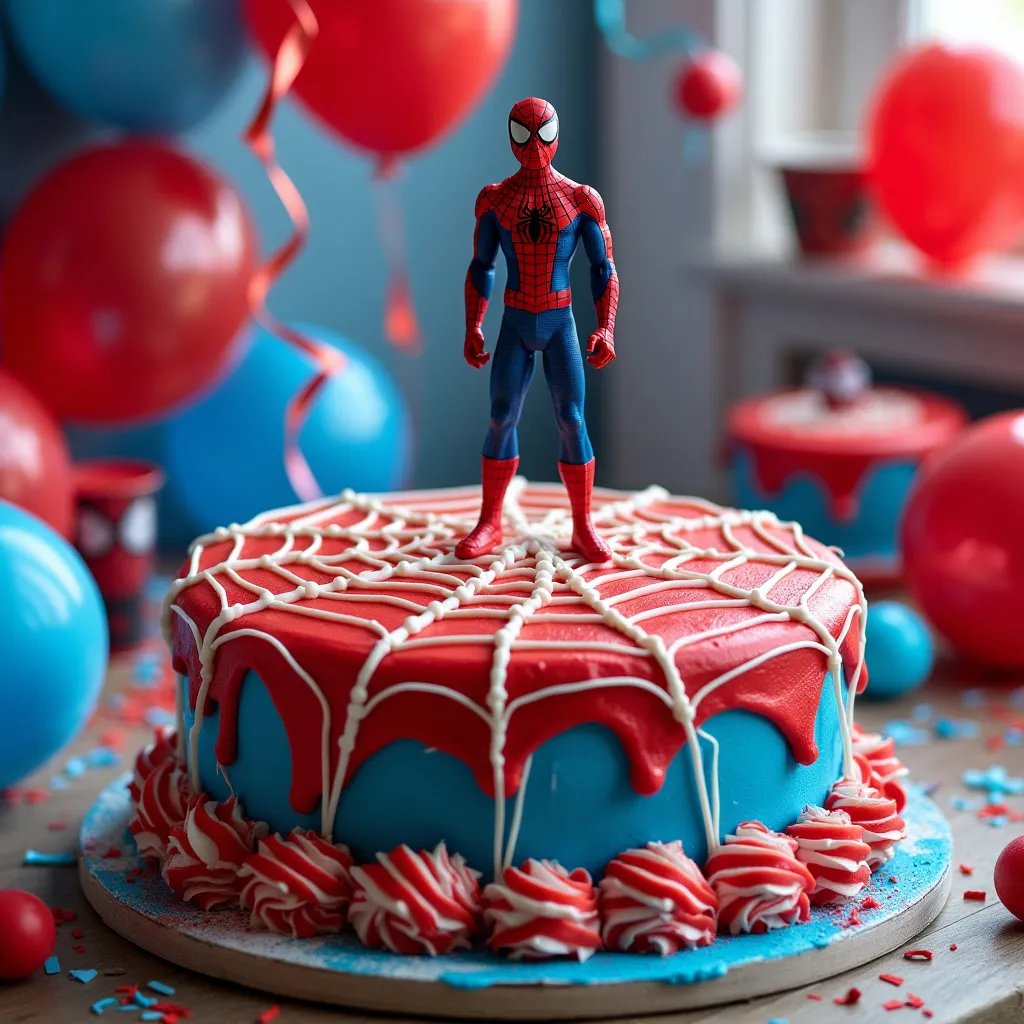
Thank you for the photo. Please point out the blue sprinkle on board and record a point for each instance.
(84, 976)
(101, 1004)
(34, 858)
(152, 1015)
(159, 986)
(145, 1001)
(52, 965)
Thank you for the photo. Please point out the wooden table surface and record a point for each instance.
(982, 981)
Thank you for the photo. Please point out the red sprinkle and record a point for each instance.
(927, 1013)
(78, 933)
(966, 869)
(893, 1004)
(269, 1014)
(953, 948)
(814, 996)
(918, 954)
(57, 826)
(78, 949)
(891, 979)
(914, 1002)
(976, 894)
(869, 903)
(850, 999)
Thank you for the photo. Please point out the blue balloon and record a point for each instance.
(225, 456)
(54, 643)
(143, 65)
(900, 651)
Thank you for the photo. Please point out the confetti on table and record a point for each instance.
(914, 1002)
(52, 965)
(918, 954)
(977, 895)
(965, 869)
(84, 976)
(921, 712)
(903, 734)
(953, 948)
(34, 858)
(961, 803)
(851, 998)
(101, 1004)
(893, 1004)
(75, 768)
(269, 1014)
(891, 979)
(815, 997)
(956, 728)
(995, 781)
(159, 986)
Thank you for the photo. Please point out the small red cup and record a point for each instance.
(115, 533)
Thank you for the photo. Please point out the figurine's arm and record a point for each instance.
(604, 281)
(480, 278)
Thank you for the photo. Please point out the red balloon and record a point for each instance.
(1009, 877)
(392, 76)
(963, 540)
(27, 934)
(708, 85)
(124, 282)
(35, 468)
(946, 151)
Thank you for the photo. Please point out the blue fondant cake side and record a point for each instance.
(579, 808)
(872, 533)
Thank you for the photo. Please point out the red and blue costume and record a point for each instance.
(537, 218)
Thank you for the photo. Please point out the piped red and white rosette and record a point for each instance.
(759, 882)
(163, 748)
(540, 910)
(654, 899)
(887, 770)
(206, 852)
(835, 854)
(416, 902)
(160, 807)
(298, 885)
(880, 824)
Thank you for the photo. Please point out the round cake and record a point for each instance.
(343, 672)
(843, 469)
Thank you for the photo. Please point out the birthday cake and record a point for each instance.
(526, 751)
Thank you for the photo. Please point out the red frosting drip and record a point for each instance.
(786, 689)
(655, 900)
(299, 885)
(205, 854)
(540, 910)
(415, 903)
(839, 460)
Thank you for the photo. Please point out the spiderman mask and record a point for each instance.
(533, 132)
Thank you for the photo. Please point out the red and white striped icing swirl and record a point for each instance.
(831, 847)
(887, 770)
(298, 885)
(540, 910)
(880, 824)
(205, 854)
(416, 902)
(160, 807)
(163, 748)
(654, 899)
(758, 880)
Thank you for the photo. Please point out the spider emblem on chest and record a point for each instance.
(537, 223)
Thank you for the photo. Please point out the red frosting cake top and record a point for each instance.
(366, 629)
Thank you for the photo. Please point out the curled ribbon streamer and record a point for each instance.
(287, 63)
(401, 325)
(610, 16)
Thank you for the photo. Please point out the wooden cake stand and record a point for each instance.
(910, 891)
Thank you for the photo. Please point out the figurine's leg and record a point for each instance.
(511, 373)
(563, 366)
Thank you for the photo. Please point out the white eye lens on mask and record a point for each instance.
(548, 131)
(519, 132)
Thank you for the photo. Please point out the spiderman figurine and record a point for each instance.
(537, 217)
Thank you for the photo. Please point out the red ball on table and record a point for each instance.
(27, 934)
(708, 85)
(1009, 877)
(963, 540)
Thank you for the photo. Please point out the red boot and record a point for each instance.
(495, 476)
(579, 482)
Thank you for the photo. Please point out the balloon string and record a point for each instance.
(287, 63)
(610, 16)
(401, 325)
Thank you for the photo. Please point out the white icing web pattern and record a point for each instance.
(381, 572)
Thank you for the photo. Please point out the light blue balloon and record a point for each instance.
(225, 456)
(143, 65)
(54, 643)
(900, 651)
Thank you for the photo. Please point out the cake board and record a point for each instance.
(338, 971)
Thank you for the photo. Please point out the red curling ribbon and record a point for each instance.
(401, 325)
(287, 63)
